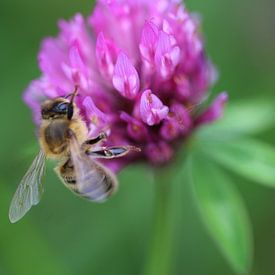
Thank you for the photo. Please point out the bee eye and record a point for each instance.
(61, 107)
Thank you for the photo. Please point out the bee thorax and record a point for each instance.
(54, 138)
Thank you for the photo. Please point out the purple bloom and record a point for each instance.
(141, 70)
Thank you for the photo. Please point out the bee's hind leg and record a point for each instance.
(112, 152)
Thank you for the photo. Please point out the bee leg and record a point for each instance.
(96, 140)
(88, 143)
(112, 152)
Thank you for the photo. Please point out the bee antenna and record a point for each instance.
(74, 94)
(70, 111)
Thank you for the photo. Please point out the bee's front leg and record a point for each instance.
(112, 152)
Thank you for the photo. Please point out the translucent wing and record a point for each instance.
(93, 181)
(29, 191)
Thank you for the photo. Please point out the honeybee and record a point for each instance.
(63, 136)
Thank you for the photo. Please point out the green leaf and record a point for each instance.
(222, 211)
(250, 158)
(243, 118)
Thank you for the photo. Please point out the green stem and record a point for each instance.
(160, 251)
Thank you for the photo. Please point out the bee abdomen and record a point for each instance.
(70, 180)
(97, 184)
(98, 188)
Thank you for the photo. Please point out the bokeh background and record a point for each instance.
(66, 235)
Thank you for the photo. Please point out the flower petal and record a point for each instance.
(76, 70)
(125, 78)
(214, 112)
(178, 122)
(159, 153)
(148, 42)
(152, 110)
(96, 118)
(183, 86)
(167, 55)
(106, 55)
(135, 128)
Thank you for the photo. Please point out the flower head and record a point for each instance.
(141, 70)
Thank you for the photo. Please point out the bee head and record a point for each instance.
(57, 108)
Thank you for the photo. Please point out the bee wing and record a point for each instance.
(93, 181)
(29, 191)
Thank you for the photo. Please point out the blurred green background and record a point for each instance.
(66, 235)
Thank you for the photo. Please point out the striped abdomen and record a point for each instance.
(91, 181)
